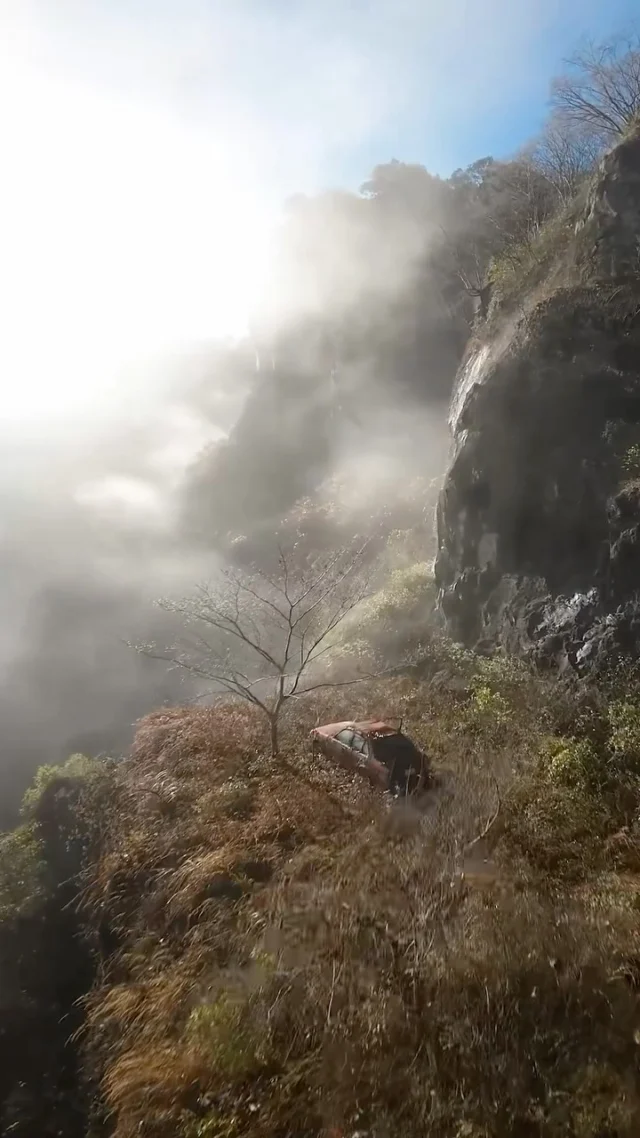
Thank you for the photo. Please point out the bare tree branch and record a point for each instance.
(244, 620)
(602, 89)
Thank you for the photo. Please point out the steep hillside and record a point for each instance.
(271, 950)
(538, 517)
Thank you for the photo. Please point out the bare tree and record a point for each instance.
(602, 90)
(260, 637)
(565, 153)
(523, 201)
(467, 261)
(504, 206)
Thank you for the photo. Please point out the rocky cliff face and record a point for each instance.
(539, 516)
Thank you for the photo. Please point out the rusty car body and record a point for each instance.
(376, 750)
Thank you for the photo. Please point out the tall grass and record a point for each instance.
(288, 955)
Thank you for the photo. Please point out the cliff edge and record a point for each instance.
(539, 515)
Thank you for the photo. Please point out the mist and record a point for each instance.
(201, 336)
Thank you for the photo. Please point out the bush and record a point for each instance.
(406, 589)
(76, 767)
(559, 828)
(236, 798)
(292, 956)
(525, 263)
(490, 705)
(26, 875)
(22, 873)
(624, 720)
(46, 963)
(394, 617)
(223, 1031)
(631, 462)
(572, 763)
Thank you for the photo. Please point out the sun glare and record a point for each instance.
(124, 231)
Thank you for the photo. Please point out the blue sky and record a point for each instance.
(148, 146)
(483, 88)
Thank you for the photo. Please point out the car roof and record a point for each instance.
(364, 726)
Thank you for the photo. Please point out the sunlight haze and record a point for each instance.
(124, 231)
(148, 148)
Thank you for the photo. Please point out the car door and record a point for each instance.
(366, 762)
(360, 749)
(342, 748)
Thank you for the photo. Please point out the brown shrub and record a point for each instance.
(294, 957)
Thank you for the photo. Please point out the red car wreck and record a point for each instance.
(374, 749)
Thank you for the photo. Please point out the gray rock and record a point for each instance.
(539, 544)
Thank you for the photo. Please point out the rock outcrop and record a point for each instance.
(539, 517)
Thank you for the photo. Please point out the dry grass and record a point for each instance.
(289, 956)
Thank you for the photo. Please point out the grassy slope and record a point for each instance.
(283, 955)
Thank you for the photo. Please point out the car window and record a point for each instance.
(346, 737)
(359, 744)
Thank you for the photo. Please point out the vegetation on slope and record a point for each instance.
(46, 963)
(279, 952)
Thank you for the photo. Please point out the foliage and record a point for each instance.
(75, 767)
(491, 705)
(521, 264)
(45, 960)
(631, 461)
(499, 689)
(307, 959)
(395, 617)
(624, 720)
(25, 874)
(406, 589)
(224, 1032)
(571, 762)
(557, 825)
(567, 152)
(22, 872)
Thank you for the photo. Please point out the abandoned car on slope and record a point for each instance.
(381, 753)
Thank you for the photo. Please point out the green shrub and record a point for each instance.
(223, 1032)
(215, 1125)
(559, 829)
(412, 585)
(22, 872)
(490, 705)
(571, 762)
(624, 741)
(502, 673)
(437, 655)
(75, 767)
(236, 798)
(504, 699)
(408, 592)
(630, 461)
(522, 261)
